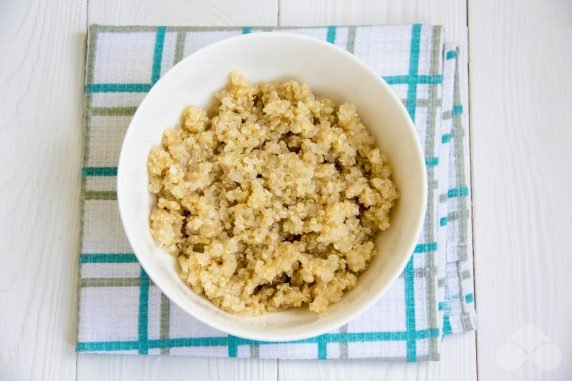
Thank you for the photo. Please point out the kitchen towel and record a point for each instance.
(122, 311)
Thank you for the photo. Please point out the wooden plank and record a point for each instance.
(521, 87)
(139, 368)
(41, 73)
(180, 12)
(190, 13)
(243, 369)
(457, 364)
(125, 367)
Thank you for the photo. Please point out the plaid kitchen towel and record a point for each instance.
(122, 311)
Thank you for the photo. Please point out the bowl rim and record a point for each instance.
(270, 335)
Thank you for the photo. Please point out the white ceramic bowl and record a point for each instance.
(330, 71)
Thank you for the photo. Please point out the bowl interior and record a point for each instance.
(330, 72)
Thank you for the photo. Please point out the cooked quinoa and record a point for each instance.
(272, 200)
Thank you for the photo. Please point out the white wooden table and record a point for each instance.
(518, 75)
